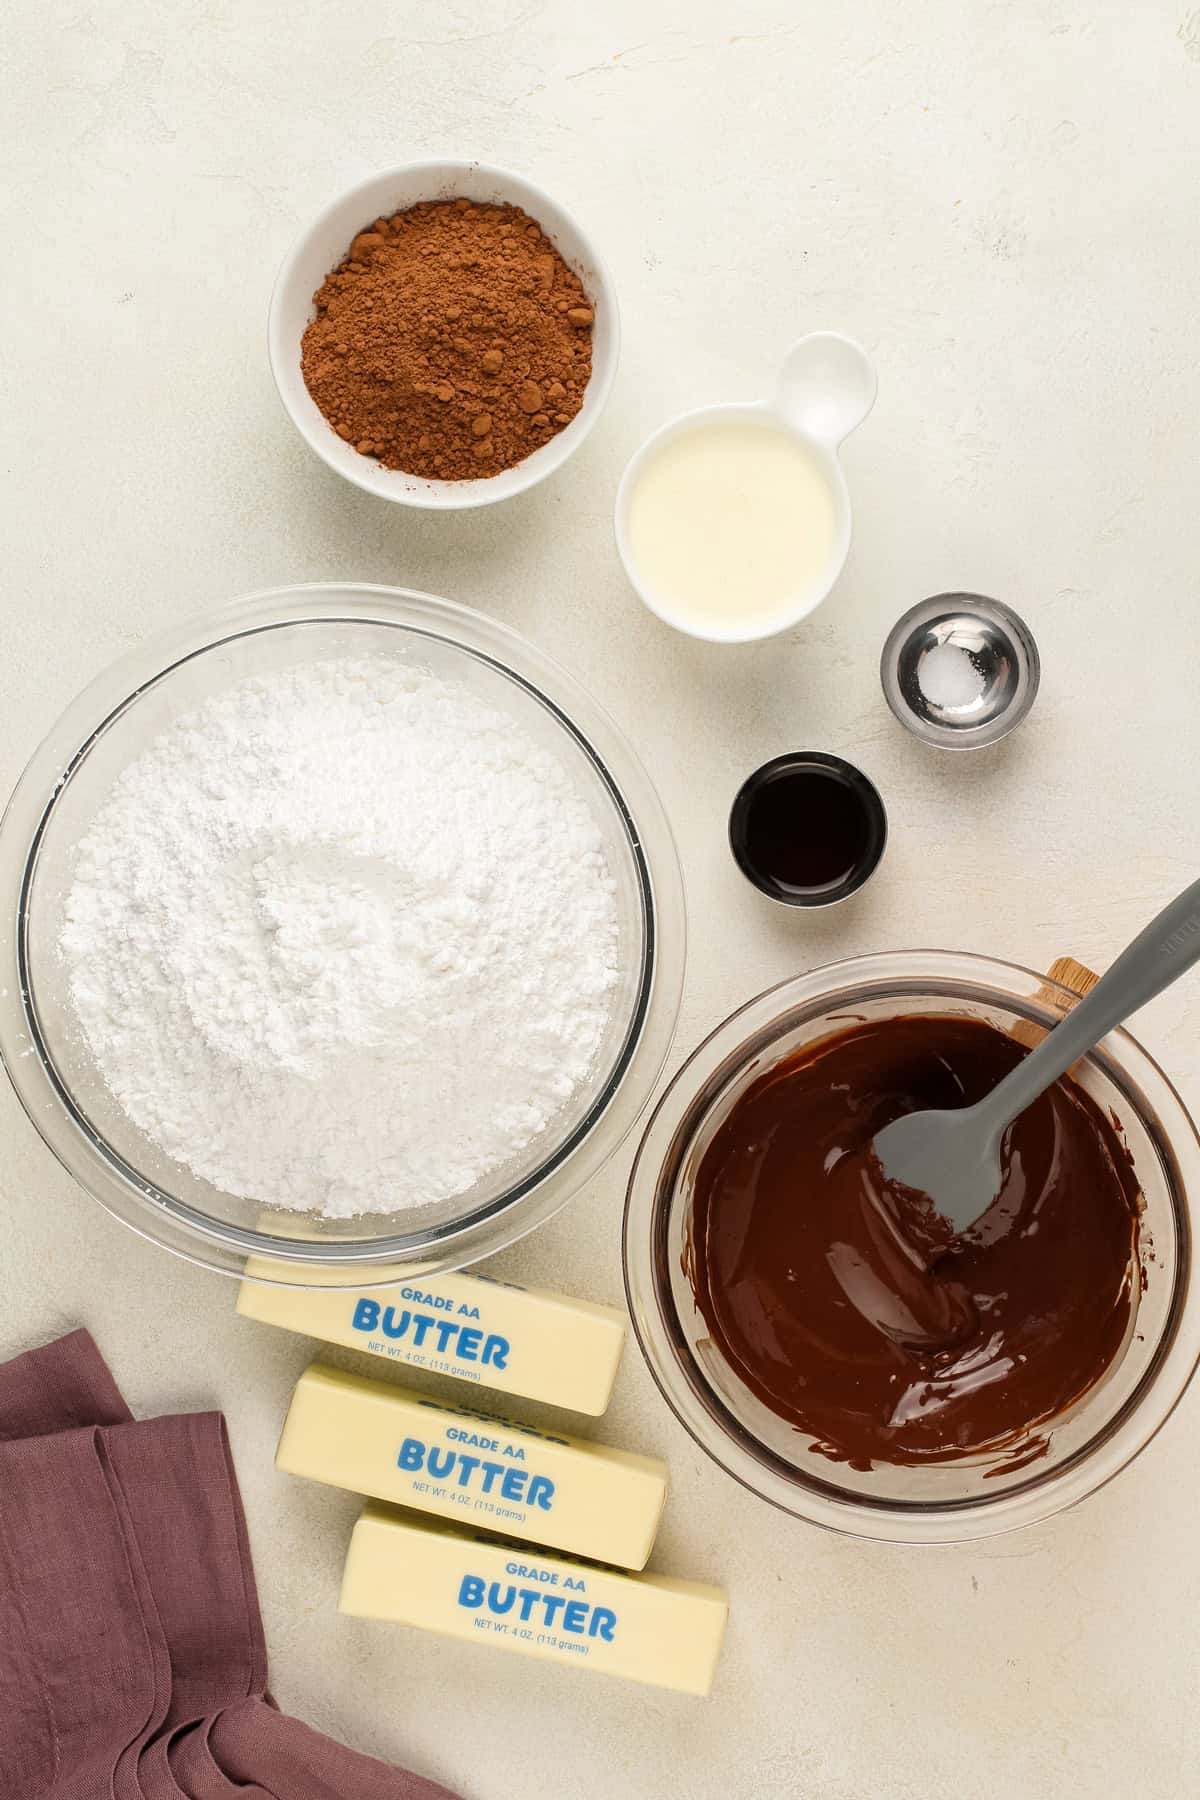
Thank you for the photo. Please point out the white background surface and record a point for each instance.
(1000, 201)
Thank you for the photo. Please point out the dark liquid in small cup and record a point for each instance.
(807, 829)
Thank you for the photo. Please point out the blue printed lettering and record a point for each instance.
(471, 1437)
(470, 1591)
(443, 1463)
(500, 1600)
(462, 1342)
(530, 1572)
(490, 1472)
(439, 1302)
(513, 1487)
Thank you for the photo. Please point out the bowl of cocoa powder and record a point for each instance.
(444, 335)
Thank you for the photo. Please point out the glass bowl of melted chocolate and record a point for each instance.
(865, 1381)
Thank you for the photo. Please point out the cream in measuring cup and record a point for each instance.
(733, 522)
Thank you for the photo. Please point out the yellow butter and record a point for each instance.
(397, 1445)
(517, 1340)
(645, 1627)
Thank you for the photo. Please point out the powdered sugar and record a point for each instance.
(343, 938)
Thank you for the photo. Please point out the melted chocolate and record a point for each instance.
(828, 1288)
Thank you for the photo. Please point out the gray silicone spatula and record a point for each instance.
(953, 1157)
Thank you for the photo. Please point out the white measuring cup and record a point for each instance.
(825, 388)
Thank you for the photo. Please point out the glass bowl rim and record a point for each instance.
(489, 1227)
(1165, 1382)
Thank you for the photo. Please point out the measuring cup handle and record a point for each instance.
(826, 387)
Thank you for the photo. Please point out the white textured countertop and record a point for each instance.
(1000, 201)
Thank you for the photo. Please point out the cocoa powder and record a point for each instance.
(451, 341)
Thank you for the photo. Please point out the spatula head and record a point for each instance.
(950, 1157)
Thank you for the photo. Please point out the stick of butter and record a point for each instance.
(645, 1627)
(394, 1444)
(516, 1340)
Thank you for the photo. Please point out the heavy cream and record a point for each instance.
(730, 522)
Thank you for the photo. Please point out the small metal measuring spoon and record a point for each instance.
(960, 670)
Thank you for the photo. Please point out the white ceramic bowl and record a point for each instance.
(322, 247)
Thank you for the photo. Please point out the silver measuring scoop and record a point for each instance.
(960, 670)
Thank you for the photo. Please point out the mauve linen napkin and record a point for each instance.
(132, 1659)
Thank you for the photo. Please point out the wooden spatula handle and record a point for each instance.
(1066, 973)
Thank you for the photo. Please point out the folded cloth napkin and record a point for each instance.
(132, 1659)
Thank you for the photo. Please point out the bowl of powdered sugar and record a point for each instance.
(340, 928)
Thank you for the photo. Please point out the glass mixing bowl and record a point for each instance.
(66, 784)
(952, 1501)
